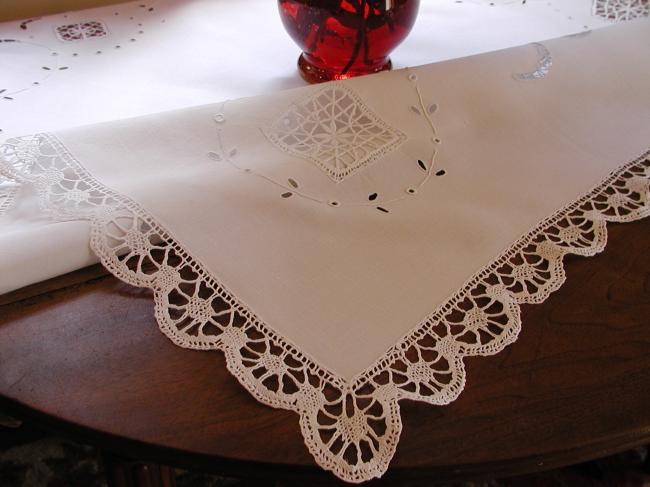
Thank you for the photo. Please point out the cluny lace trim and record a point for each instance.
(350, 427)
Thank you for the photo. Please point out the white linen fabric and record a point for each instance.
(347, 245)
(136, 58)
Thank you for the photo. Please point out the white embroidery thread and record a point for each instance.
(82, 30)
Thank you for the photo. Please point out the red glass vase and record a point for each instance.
(345, 38)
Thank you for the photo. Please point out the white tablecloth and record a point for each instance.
(163, 55)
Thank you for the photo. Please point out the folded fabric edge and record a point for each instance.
(351, 428)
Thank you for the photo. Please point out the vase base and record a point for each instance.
(316, 73)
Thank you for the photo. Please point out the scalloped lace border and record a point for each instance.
(351, 428)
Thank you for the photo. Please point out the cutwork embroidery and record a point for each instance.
(37, 62)
(334, 129)
(39, 72)
(291, 186)
(81, 31)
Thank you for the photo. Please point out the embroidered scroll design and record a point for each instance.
(618, 10)
(335, 130)
(351, 427)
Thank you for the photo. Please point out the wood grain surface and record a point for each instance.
(82, 355)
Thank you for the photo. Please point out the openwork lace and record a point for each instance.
(336, 131)
(350, 427)
(618, 10)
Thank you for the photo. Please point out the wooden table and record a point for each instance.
(82, 356)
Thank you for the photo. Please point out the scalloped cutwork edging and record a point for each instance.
(351, 428)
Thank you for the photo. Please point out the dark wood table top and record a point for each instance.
(82, 355)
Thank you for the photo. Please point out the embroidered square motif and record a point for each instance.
(81, 31)
(335, 130)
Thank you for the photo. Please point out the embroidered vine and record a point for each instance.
(312, 130)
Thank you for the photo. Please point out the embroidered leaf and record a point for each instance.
(3, 90)
(441, 173)
(46, 68)
(382, 209)
(233, 152)
(422, 165)
(415, 109)
(373, 196)
(293, 182)
(214, 156)
(287, 194)
(432, 108)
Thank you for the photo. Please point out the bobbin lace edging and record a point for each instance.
(350, 427)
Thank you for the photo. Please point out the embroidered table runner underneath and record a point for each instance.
(347, 244)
